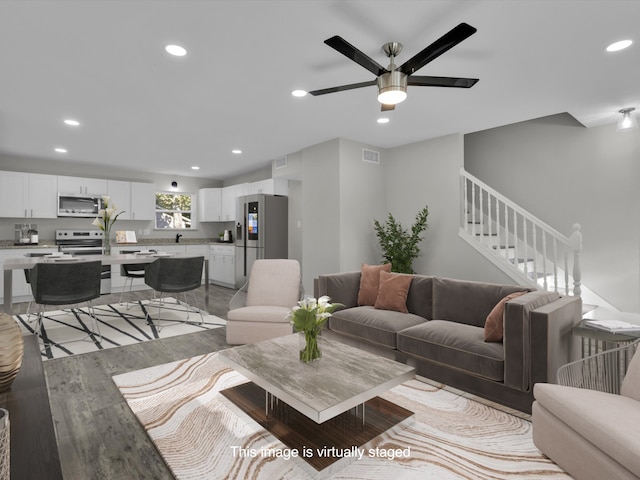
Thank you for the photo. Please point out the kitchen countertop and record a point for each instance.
(8, 244)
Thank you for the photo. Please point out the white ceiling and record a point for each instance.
(103, 63)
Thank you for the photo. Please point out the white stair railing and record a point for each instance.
(523, 246)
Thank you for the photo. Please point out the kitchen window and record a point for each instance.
(174, 211)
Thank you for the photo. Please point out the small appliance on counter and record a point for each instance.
(26, 234)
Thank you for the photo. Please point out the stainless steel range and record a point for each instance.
(85, 242)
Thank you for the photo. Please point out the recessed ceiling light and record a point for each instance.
(195, 167)
(176, 50)
(383, 120)
(236, 151)
(71, 122)
(299, 93)
(621, 45)
(60, 150)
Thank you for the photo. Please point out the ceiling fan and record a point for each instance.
(392, 81)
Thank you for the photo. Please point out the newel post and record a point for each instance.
(575, 242)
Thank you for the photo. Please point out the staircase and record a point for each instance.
(525, 248)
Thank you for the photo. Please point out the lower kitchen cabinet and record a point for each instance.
(222, 265)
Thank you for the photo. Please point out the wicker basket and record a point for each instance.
(11, 351)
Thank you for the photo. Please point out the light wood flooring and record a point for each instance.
(98, 436)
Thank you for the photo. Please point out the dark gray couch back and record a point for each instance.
(468, 302)
(438, 298)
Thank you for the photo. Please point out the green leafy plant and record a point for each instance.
(398, 245)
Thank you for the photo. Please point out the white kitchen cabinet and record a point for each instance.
(120, 193)
(210, 205)
(143, 201)
(89, 186)
(28, 195)
(270, 186)
(197, 251)
(222, 266)
(13, 194)
(229, 200)
(42, 196)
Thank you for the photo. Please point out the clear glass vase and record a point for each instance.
(310, 346)
(106, 244)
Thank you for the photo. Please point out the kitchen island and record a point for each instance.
(25, 263)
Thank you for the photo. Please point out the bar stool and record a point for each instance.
(68, 283)
(131, 271)
(174, 275)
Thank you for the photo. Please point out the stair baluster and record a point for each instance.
(516, 241)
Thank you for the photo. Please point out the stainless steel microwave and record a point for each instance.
(73, 205)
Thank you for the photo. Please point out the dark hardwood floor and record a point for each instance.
(97, 435)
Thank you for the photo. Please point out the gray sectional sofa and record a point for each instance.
(442, 333)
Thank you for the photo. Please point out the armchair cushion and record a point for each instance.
(274, 282)
(262, 314)
(631, 384)
(593, 415)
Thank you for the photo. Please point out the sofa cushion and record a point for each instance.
(465, 301)
(455, 344)
(392, 293)
(631, 383)
(376, 326)
(370, 282)
(420, 296)
(606, 420)
(494, 325)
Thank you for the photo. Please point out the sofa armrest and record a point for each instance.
(340, 287)
(517, 337)
(553, 344)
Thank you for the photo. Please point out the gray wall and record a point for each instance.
(342, 195)
(363, 194)
(427, 173)
(320, 210)
(564, 173)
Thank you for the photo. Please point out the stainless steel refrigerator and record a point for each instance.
(261, 232)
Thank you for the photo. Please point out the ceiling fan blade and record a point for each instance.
(341, 88)
(386, 108)
(341, 45)
(423, 81)
(437, 48)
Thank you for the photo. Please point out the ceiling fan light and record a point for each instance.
(392, 95)
(392, 87)
(628, 120)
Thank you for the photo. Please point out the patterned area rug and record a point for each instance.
(68, 332)
(200, 434)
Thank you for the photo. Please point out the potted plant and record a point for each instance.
(399, 246)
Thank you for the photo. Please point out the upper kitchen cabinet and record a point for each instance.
(270, 186)
(229, 200)
(210, 204)
(143, 201)
(135, 199)
(28, 195)
(120, 195)
(94, 186)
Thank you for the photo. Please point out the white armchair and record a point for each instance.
(589, 424)
(258, 311)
